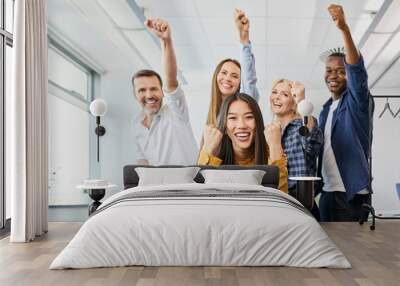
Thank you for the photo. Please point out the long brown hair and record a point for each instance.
(216, 95)
(260, 144)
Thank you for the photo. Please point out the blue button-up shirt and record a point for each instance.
(350, 130)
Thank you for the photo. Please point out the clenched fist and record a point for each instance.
(272, 133)
(243, 25)
(298, 91)
(212, 137)
(159, 27)
(337, 14)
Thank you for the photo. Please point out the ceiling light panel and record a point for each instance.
(293, 32)
(187, 31)
(300, 55)
(168, 8)
(252, 8)
(391, 19)
(292, 9)
(373, 46)
(391, 79)
(373, 5)
(215, 8)
(121, 13)
(361, 26)
(291, 72)
(220, 31)
(390, 51)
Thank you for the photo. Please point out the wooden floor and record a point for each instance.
(374, 255)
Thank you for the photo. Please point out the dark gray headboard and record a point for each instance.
(270, 179)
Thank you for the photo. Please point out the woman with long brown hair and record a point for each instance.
(241, 139)
(229, 77)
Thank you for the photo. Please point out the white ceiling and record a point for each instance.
(288, 36)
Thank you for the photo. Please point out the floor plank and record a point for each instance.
(374, 255)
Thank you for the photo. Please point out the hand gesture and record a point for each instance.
(337, 14)
(159, 27)
(242, 24)
(272, 133)
(212, 139)
(298, 91)
(241, 21)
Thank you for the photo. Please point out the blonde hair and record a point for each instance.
(289, 83)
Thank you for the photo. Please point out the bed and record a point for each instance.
(198, 224)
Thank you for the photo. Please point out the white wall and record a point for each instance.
(386, 155)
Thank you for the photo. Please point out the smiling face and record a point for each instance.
(228, 79)
(281, 100)
(149, 93)
(335, 75)
(241, 125)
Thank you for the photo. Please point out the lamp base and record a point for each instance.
(100, 130)
(305, 190)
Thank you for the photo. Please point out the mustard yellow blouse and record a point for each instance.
(206, 159)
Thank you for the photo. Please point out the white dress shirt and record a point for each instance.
(170, 139)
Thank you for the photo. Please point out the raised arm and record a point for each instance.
(248, 77)
(162, 30)
(337, 14)
(272, 133)
(356, 74)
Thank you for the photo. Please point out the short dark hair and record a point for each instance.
(146, 73)
(340, 55)
(335, 52)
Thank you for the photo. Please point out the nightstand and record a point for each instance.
(96, 192)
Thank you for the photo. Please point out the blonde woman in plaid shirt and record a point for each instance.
(302, 152)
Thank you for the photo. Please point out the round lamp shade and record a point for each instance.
(98, 107)
(305, 107)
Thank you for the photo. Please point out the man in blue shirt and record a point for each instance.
(343, 162)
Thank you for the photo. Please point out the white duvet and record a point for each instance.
(200, 231)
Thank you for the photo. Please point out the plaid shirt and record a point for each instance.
(302, 152)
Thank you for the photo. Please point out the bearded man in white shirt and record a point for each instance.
(164, 135)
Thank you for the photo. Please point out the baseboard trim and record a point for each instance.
(68, 206)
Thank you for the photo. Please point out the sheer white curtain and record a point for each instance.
(28, 123)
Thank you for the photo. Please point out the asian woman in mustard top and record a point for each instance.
(239, 138)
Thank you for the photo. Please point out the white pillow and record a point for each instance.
(248, 177)
(166, 176)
